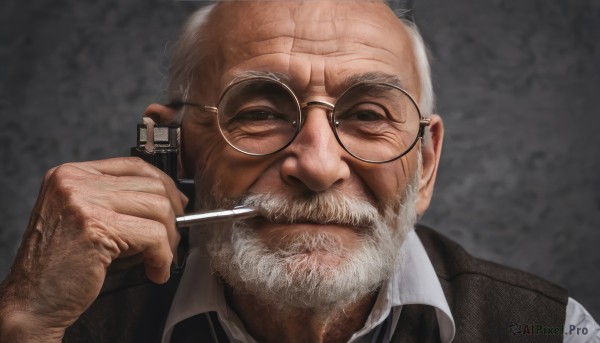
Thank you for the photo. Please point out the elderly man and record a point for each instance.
(318, 114)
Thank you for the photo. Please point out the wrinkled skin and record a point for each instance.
(87, 216)
(317, 55)
(91, 214)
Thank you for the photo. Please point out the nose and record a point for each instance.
(315, 160)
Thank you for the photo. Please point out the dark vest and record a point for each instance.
(489, 303)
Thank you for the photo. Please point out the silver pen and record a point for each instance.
(214, 216)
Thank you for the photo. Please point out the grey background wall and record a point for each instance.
(518, 84)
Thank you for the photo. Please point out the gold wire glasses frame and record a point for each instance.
(230, 98)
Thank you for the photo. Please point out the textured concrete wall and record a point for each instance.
(517, 82)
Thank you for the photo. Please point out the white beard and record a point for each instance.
(295, 275)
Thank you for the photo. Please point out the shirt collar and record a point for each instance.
(414, 281)
(200, 291)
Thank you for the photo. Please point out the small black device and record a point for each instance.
(159, 146)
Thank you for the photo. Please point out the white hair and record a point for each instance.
(186, 56)
(427, 100)
(294, 273)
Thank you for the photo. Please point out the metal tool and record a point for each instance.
(237, 213)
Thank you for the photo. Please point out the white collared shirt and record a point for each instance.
(413, 282)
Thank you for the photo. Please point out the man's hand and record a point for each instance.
(87, 216)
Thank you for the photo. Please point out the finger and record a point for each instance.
(121, 166)
(144, 205)
(142, 184)
(134, 166)
(82, 183)
(149, 238)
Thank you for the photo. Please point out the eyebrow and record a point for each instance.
(284, 78)
(375, 77)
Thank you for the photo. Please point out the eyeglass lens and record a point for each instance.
(258, 116)
(374, 122)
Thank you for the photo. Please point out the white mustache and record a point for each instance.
(331, 207)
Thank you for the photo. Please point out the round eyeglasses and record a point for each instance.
(374, 122)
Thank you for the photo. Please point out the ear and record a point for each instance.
(167, 115)
(162, 115)
(431, 151)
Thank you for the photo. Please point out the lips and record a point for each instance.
(330, 208)
(262, 222)
(270, 219)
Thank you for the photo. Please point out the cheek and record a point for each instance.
(231, 171)
(219, 170)
(387, 181)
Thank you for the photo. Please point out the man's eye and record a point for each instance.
(255, 115)
(362, 115)
(362, 112)
(365, 116)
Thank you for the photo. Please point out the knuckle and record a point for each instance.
(164, 206)
(49, 174)
(151, 171)
(148, 168)
(139, 163)
(158, 234)
(135, 160)
(162, 234)
(66, 182)
(159, 186)
(65, 170)
(169, 181)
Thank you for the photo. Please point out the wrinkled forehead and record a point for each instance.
(243, 30)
